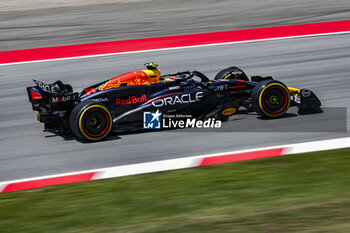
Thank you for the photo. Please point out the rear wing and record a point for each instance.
(53, 89)
(56, 96)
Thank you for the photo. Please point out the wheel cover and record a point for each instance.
(95, 122)
(274, 100)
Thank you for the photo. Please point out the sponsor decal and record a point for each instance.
(156, 120)
(34, 92)
(89, 91)
(178, 99)
(131, 100)
(174, 88)
(152, 120)
(295, 99)
(46, 87)
(229, 111)
(236, 73)
(64, 98)
(99, 99)
(219, 88)
(306, 93)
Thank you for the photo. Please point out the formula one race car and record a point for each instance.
(117, 104)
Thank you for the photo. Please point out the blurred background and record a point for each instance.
(39, 23)
(305, 193)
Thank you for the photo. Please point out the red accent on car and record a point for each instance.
(131, 100)
(87, 91)
(240, 86)
(35, 95)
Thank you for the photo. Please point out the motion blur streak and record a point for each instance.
(147, 44)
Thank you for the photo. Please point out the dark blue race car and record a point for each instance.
(118, 104)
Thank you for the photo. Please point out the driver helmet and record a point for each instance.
(153, 72)
(151, 65)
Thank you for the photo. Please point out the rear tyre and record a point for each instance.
(232, 73)
(91, 121)
(270, 99)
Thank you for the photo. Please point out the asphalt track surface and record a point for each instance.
(120, 21)
(320, 63)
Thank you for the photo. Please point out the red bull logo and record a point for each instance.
(109, 85)
(130, 79)
(131, 100)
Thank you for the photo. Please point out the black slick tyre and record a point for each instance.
(232, 72)
(90, 121)
(270, 99)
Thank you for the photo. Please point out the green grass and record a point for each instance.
(297, 193)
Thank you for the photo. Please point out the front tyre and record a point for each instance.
(91, 121)
(270, 99)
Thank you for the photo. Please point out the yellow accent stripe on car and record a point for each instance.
(81, 117)
(293, 90)
(261, 106)
(152, 73)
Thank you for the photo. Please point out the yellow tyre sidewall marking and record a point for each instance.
(260, 100)
(227, 76)
(82, 115)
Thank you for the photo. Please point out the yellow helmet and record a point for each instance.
(152, 72)
(151, 65)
